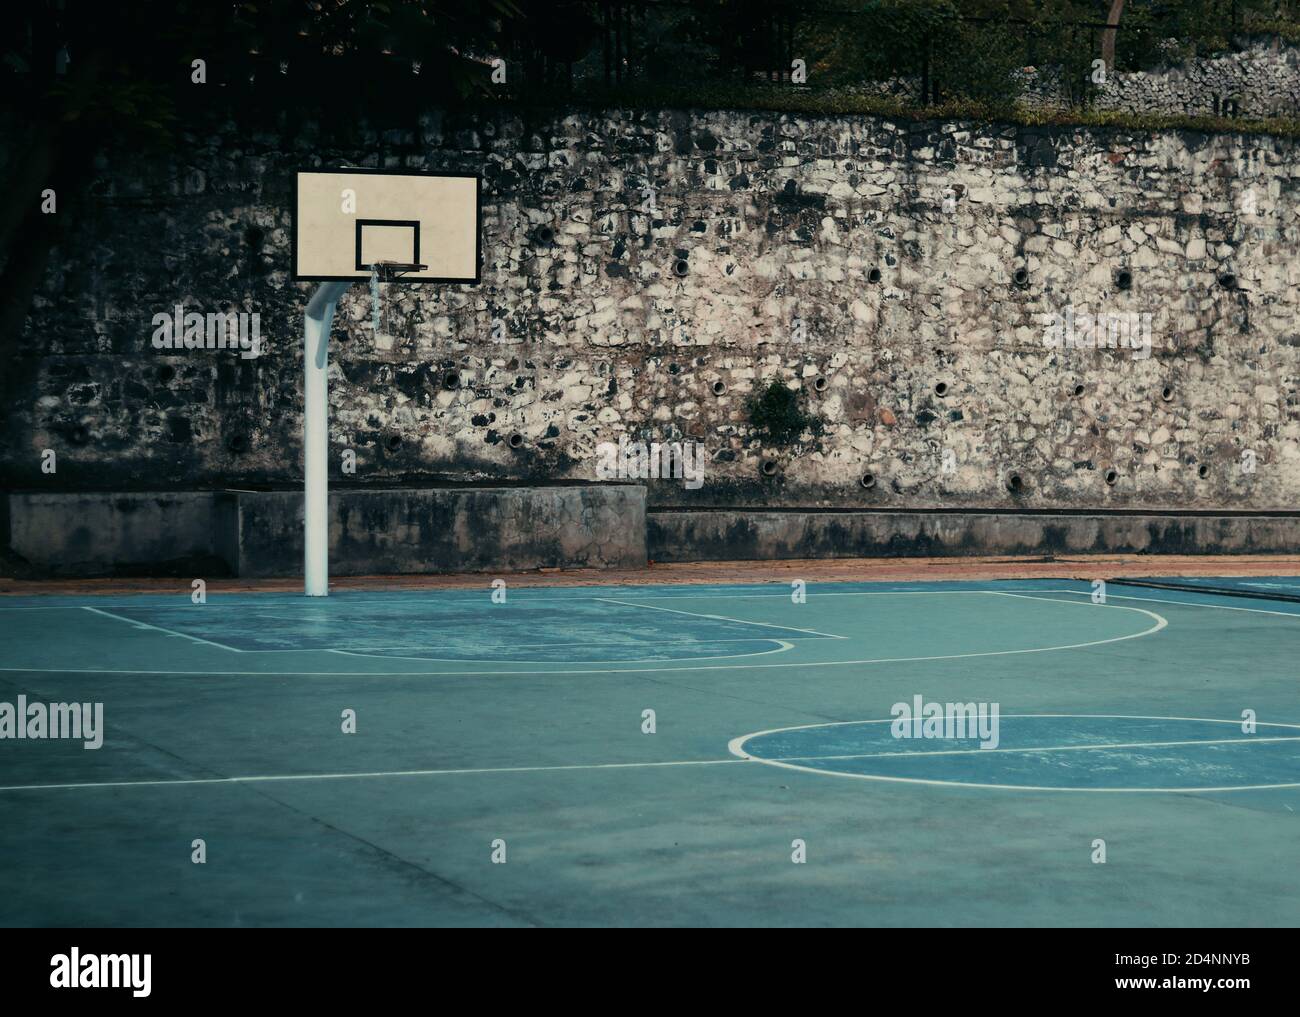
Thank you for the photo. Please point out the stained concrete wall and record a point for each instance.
(258, 534)
(589, 334)
(449, 530)
(688, 535)
(96, 534)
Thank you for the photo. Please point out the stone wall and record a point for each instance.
(778, 225)
(1259, 79)
(1262, 79)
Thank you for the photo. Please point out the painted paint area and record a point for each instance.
(461, 629)
(589, 629)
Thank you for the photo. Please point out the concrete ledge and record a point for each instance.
(599, 526)
(447, 530)
(729, 535)
(259, 534)
(101, 534)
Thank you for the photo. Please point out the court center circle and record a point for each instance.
(1046, 752)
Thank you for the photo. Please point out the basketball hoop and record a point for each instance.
(382, 244)
(390, 271)
(386, 272)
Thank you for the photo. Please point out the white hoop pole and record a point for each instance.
(315, 436)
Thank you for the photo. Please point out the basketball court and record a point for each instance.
(663, 747)
(504, 769)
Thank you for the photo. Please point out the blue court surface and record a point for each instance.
(663, 755)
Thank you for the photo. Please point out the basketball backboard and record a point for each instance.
(346, 220)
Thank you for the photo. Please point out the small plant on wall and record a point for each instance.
(778, 416)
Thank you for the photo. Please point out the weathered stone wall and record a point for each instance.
(780, 221)
(1260, 80)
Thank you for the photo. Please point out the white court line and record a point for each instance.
(1030, 593)
(1160, 624)
(353, 776)
(1187, 603)
(593, 642)
(926, 754)
(537, 594)
(158, 628)
(781, 647)
(719, 617)
(817, 593)
(736, 747)
(737, 757)
(45, 607)
(948, 593)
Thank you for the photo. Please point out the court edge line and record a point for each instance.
(782, 646)
(737, 757)
(158, 628)
(719, 617)
(279, 778)
(762, 596)
(922, 754)
(748, 596)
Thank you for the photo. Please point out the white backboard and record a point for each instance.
(345, 220)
